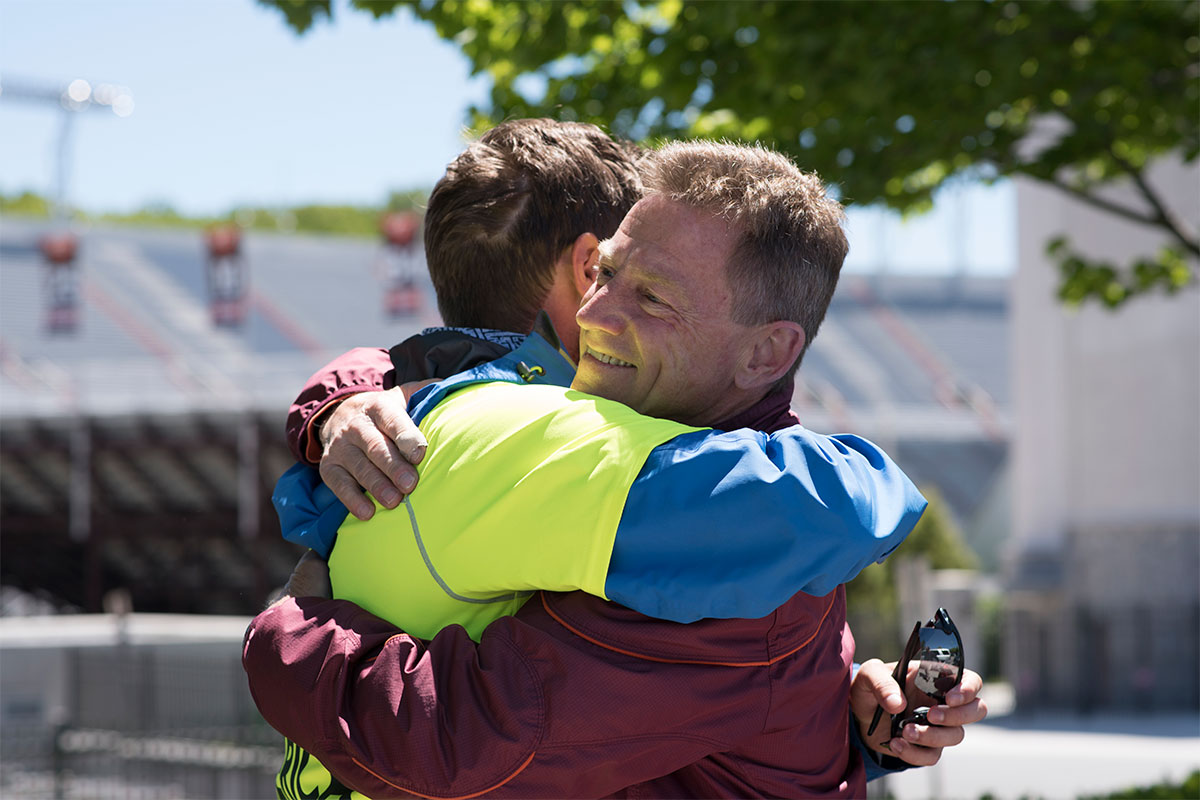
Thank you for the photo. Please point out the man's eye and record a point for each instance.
(604, 272)
(653, 298)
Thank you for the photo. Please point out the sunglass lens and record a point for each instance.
(941, 663)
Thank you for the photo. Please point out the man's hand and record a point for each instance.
(370, 444)
(310, 578)
(919, 745)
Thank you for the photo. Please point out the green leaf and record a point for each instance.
(949, 88)
(1086, 280)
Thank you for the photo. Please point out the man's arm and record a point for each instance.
(362, 369)
(531, 710)
(358, 425)
(826, 506)
(667, 534)
(517, 714)
(732, 524)
(351, 420)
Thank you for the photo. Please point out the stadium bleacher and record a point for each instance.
(138, 451)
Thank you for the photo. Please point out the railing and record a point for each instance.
(93, 763)
(144, 717)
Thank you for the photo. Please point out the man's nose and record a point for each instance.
(601, 310)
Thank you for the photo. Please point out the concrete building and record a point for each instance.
(1103, 567)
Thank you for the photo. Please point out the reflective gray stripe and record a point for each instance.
(429, 566)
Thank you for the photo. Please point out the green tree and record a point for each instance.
(342, 220)
(871, 601)
(1164, 790)
(25, 204)
(894, 99)
(353, 220)
(408, 200)
(938, 537)
(159, 214)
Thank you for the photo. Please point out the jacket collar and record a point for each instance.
(442, 352)
(539, 360)
(770, 414)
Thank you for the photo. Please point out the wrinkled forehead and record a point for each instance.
(668, 236)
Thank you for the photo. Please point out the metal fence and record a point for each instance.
(132, 721)
(94, 763)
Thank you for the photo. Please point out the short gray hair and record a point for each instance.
(790, 242)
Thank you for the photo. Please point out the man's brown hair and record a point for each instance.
(790, 243)
(510, 204)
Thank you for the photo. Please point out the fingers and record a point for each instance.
(963, 705)
(918, 745)
(873, 688)
(370, 457)
(347, 488)
(885, 691)
(967, 690)
(369, 442)
(389, 413)
(911, 753)
(933, 735)
(966, 714)
(922, 745)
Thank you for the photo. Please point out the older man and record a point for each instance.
(667, 331)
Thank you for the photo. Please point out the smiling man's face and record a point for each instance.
(656, 330)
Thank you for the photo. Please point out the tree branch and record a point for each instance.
(1159, 219)
(1166, 217)
(1105, 205)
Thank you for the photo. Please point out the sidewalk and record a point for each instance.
(1057, 757)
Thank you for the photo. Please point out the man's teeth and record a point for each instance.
(606, 359)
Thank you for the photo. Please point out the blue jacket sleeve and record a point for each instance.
(877, 765)
(733, 524)
(309, 512)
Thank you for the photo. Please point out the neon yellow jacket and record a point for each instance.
(499, 511)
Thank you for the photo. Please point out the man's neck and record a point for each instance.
(771, 413)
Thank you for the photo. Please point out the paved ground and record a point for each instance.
(1058, 757)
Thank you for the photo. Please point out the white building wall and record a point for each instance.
(1106, 451)
(1107, 402)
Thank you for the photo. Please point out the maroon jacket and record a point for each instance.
(571, 697)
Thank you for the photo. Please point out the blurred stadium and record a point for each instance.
(142, 403)
(140, 442)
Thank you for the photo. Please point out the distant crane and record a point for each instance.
(60, 246)
(77, 96)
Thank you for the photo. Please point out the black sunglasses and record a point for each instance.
(938, 649)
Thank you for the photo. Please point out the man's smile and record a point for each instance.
(604, 358)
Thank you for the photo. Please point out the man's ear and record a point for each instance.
(584, 254)
(773, 349)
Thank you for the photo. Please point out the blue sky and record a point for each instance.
(230, 105)
(232, 108)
